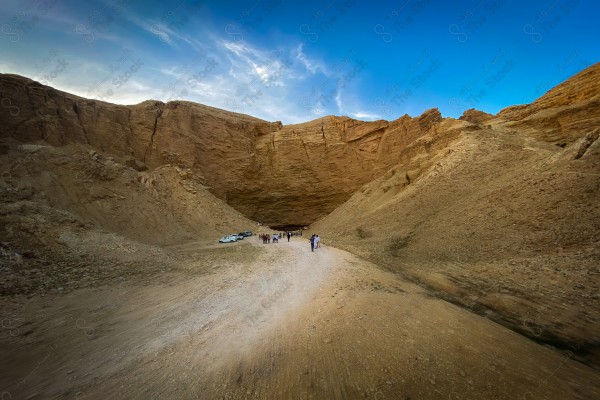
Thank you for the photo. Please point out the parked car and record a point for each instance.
(245, 233)
(238, 236)
(228, 239)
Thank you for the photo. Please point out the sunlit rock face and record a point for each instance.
(275, 174)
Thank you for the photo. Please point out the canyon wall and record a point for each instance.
(274, 174)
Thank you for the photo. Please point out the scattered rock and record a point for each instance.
(136, 164)
(586, 142)
(29, 254)
(475, 116)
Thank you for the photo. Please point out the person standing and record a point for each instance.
(289, 235)
(312, 243)
(317, 240)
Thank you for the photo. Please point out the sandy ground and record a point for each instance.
(286, 323)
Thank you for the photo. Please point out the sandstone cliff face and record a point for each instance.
(476, 116)
(272, 173)
(500, 220)
(564, 113)
(275, 174)
(302, 172)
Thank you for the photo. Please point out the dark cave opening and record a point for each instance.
(287, 228)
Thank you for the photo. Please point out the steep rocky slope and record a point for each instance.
(564, 113)
(71, 217)
(272, 173)
(309, 169)
(505, 220)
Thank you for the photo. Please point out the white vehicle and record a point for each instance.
(228, 239)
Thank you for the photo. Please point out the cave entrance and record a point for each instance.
(286, 228)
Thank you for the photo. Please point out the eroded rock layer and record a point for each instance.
(273, 173)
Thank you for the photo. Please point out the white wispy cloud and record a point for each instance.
(338, 101)
(310, 65)
(270, 67)
(239, 76)
(157, 29)
(171, 71)
(60, 20)
(164, 33)
(365, 115)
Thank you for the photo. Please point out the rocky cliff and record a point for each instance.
(274, 173)
(505, 220)
(564, 113)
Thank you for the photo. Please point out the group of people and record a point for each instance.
(274, 238)
(314, 242)
(267, 238)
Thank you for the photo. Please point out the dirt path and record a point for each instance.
(292, 325)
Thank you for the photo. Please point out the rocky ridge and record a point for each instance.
(275, 174)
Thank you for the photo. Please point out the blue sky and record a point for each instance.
(297, 61)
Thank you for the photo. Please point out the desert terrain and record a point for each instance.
(277, 321)
(459, 257)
